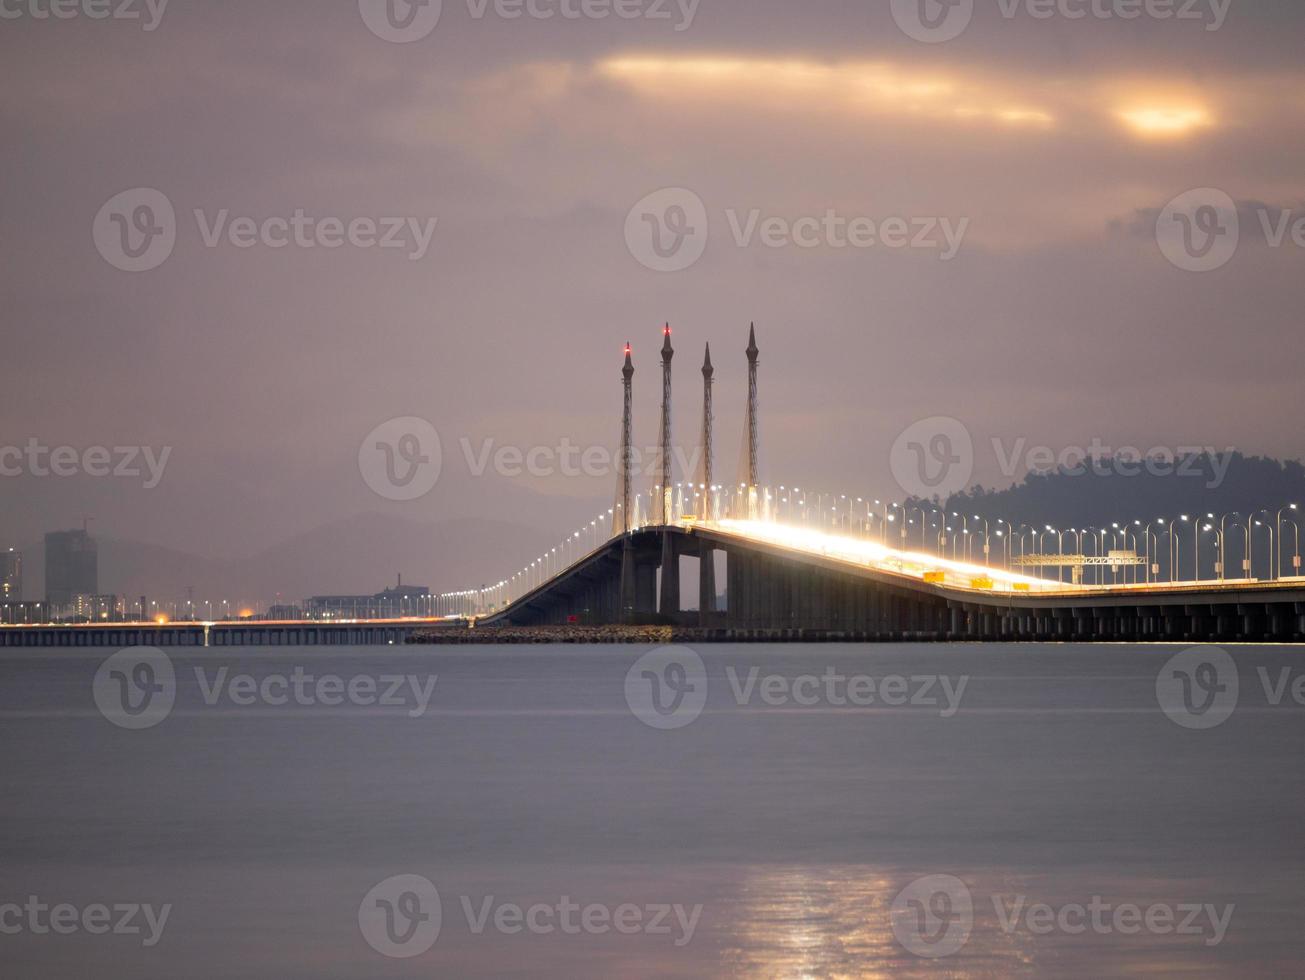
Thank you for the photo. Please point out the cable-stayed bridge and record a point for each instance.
(794, 560)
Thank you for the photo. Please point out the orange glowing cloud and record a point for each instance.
(848, 87)
(1166, 121)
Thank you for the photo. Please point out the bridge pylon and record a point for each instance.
(750, 463)
(706, 484)
(670, 586)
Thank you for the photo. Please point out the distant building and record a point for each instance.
(71, 567)
(11, 576)
(393, 603)
(98, 608)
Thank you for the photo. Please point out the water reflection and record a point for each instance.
(839, 922)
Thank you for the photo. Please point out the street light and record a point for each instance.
(1223, 540)
(1297, 560)
(987, 543)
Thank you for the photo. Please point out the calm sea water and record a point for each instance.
(784, 836)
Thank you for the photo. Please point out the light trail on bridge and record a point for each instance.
(872, 554)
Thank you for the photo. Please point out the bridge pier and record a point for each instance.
(706, 583)
(669, 606)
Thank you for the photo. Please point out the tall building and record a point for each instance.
(11, 576)
(71, 567)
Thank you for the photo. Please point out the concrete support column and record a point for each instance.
(706, 583)
(669, 605)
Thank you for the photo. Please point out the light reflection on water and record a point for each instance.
(1059, 780)
(811, 924)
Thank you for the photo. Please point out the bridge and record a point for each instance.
(260, 633)
(796, 563)
(803, 562)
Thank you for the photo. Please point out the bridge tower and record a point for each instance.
(706, 554)
(623, 519)
(752, 470)
(662, 510)
(670, 590)
(706, 476)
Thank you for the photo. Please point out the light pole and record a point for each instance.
(1006, 548)
(1152, 567)
(1223, 541)
(920, 511)
(987, 540)
(1042, 547)
(1269, 528)
(1174, 553)
(1060, 553)
(1280, 513)
(965, 531)
(1251, 522)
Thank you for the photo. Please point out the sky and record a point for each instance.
(1052, 224)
